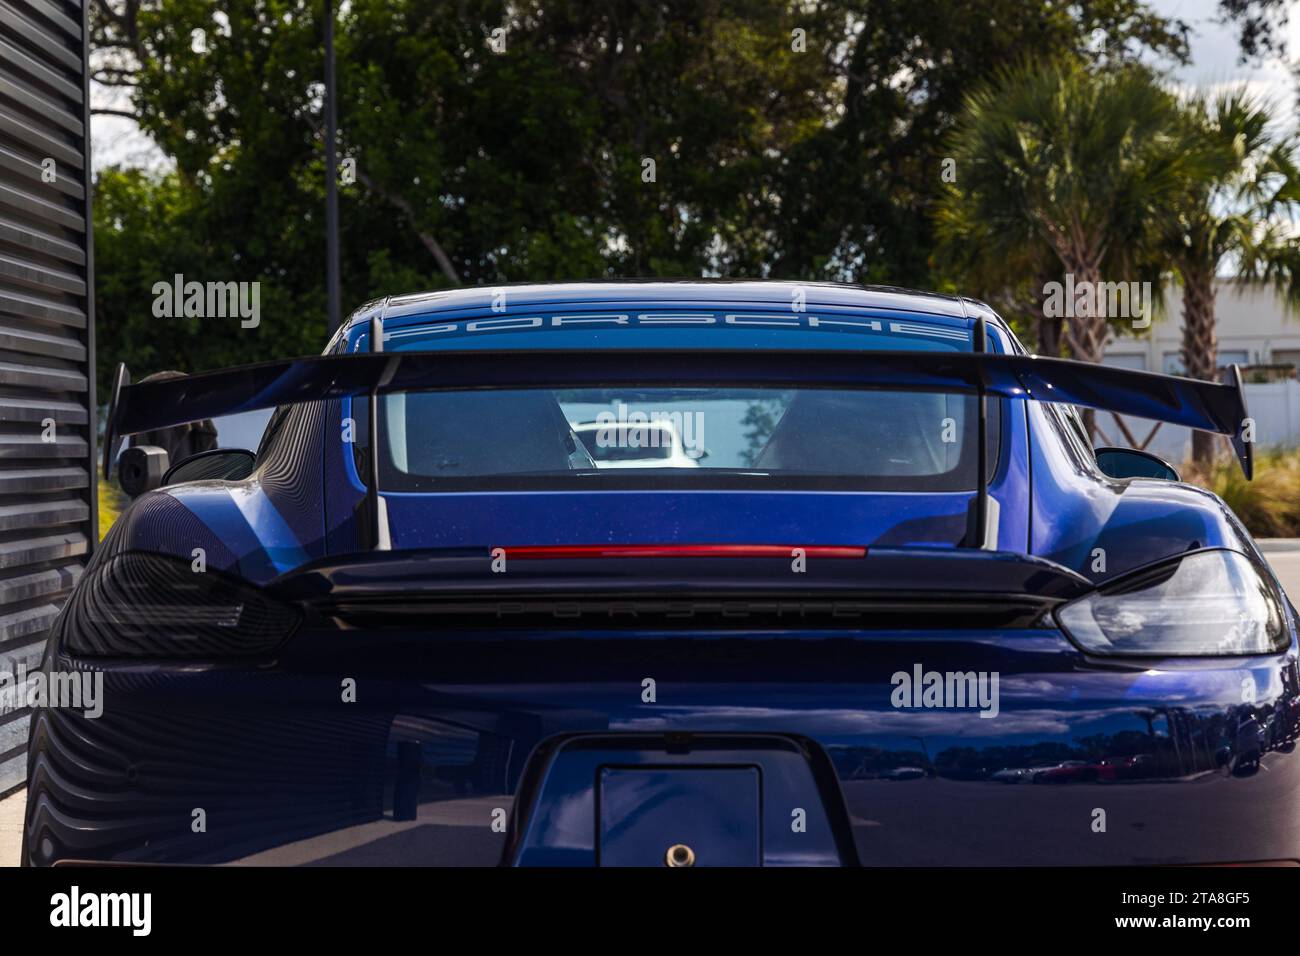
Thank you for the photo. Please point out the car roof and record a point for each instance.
(416, 308)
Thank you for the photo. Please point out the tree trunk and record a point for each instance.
(1049, 335)
(1086, 328)
(430, 243)
(1200, 351)
(1050, 329)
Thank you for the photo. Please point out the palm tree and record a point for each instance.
(1062, 160)
(1012, 281)
(1234, 214)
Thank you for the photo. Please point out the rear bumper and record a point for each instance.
(493, 749)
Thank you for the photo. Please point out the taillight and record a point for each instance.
(1203, 604)
(147, 605)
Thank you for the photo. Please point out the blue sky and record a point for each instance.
(1215, 53)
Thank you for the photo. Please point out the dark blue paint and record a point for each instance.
(712, 811)
(1193, 761)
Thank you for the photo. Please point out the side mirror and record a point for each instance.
(1131, 463)
(229, 464)
(141, 468)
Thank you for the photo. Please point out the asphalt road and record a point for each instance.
(11, 827)
(1283, 555)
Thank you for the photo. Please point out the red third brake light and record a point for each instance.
(683, 551)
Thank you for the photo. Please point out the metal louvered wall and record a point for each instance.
(47, 481)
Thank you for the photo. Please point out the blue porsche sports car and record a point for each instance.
(671, 573)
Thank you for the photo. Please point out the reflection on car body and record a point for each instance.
(433, 626)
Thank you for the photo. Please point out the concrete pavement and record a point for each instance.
(1283, 555)
(11, 827)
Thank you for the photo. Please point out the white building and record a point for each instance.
(1255, 328)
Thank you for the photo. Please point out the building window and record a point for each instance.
(1173, 362)
(1286, 357)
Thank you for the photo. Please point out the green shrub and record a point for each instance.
(1269, 506)
(111, 503)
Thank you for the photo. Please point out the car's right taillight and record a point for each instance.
(140, 605)
(1202, 604)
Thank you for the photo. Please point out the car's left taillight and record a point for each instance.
(139, 605)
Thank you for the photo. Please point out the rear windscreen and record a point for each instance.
(678, 438)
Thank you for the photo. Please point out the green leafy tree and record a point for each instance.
(856, 199)
(1079, 161)
(473, 164)
(148, 229)
(788, 139)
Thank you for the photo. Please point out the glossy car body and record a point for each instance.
(766, 736)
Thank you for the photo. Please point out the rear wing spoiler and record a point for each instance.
(1208, 406)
